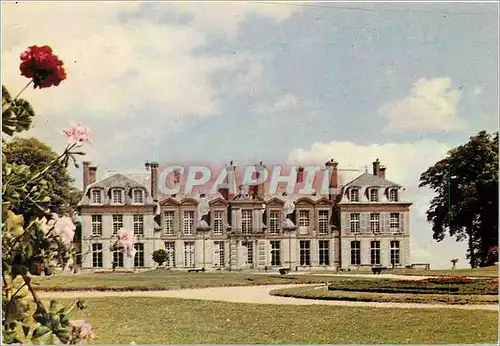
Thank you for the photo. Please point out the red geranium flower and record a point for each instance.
(42, 66)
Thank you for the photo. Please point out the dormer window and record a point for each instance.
(117, 196)
(373, 195)
(354, 195)
(138, 196)
(393, 195)
(96, 196)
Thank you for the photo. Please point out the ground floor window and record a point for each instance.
(118, 258)
(356, 253)
(249, 254)
(219, 254)
(170, 249)
(324, 252)
(375, 252)
(305, 253)
(97, 255)
(395, 252)
(275, 253)
(139, 255)
(189, 254)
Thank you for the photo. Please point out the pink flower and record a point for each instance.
(80, 331)
(63, 227)
(125, 242)
(78, 134)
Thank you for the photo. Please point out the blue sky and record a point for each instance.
(245, 81)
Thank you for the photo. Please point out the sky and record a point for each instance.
(247, 81)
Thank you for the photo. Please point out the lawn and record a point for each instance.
(324, 294)
(167, 320)
(482, 272)
(168, 280)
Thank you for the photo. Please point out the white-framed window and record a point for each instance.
(96, 196)
(137, 196)
(117, 223)
(246, 221)
(393, 195)
(356, 253)
(218, 222)
(117, 196)
(118, 258)
(97, 225)
(249, 246)
(219, 254)
(304, 221)
(354, 195)
(375, 252)
(305, 253)
(138, 224)
(170, 249)
(275, 253)
(394, 222)
(139, 255)
(189, 254)
(375, 222)
(324, 252)
(395, 252)
(323, 222)
(97, 255)
(354, 222)
(168, 223)
(274, 221)
(187, 222)
(373, 195)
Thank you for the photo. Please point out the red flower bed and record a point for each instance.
(493, 281)
(114, 272)
(449, 280)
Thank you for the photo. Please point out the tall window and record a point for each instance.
(139, 255)
(375, 252)
(97, 225)
(274, 219)
(96, 196)
(393, 195)
(218, 222)
(187, 222)
(324, 252)
(373, 195)
(323, 222)
(139, 225)
(394, 222)
(354, 218)
(219, 254)
(305, 253)
(117, 196)
(138, 196)
(375, 222)
(189, 254)
(356, 253)
(354, 195)
(246, 221)
(170, 249)
(169, 222)
(395, 252)
(118, 258)
(275, 253)
(117, 223)
(249, 246)
(303, 221)
(97, 255)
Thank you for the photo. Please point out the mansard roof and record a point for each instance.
(367, 179)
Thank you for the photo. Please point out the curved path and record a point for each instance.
(250, 294)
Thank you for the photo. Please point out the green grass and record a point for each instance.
(324, 294)
(481, 272)
(166, 320)
(168, 280)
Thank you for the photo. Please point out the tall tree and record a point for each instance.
(37, 155)
(466, 201)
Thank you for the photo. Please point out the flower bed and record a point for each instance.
(114, 272)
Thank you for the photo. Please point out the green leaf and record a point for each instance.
(41, 331)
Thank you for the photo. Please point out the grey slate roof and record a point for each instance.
(367, 179)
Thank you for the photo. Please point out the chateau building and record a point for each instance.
(364, 223)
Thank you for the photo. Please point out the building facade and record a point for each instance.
(365, 224)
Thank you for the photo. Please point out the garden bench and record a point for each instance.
(284, 271)
(196, 270)
(378, 270)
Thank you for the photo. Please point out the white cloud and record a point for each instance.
(431, 106)
(285, 103)
(405, 162)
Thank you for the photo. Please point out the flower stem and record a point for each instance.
(38, 302)
(18, 94)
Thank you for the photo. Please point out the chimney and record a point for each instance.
(259, 189)
(92, 174)
(300, 175)
(225, 191)
(86, 165)
(154, 180)
(376, 167)
(381, 172)
(334, 176)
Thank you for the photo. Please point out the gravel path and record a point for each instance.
(250, 294)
